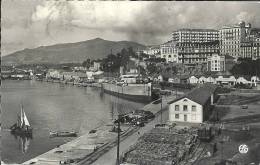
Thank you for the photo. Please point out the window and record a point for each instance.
(185, 108)
(176, 116)
(193, 108)
(177, 108)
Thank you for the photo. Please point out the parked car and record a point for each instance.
(244, 106)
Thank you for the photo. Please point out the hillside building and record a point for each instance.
(250, 48)
(195, 106)
(191, 46)
(231, 38)
(195, 35)
(192, 53)
(169, 51)
(216, 63)
(152, 51)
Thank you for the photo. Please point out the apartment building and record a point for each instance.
(152, 51)
(250, 48)
(169, 51)
(191, 53)
(231, 37)
(216, 63)
(193, 46)
(195, 35)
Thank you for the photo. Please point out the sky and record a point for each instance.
(34, 23)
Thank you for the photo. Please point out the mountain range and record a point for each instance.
(69, 52)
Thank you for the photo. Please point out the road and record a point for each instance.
(109, 158)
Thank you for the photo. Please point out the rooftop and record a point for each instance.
(199, 95)
(197, 30)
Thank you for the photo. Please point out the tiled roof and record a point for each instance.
(199, 95)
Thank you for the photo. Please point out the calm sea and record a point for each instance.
(52, 106)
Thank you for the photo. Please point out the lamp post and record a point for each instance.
(118, 140)
(161, 107)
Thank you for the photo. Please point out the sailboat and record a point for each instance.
(22, 127)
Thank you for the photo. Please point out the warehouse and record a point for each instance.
(193, 107)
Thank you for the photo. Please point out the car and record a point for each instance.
(159, 125)
(244, 106)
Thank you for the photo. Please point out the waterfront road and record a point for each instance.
(109, 158)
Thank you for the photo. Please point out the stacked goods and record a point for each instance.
(161, 147)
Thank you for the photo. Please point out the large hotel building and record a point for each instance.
(195, 35)
(231, 38)
(193, 46)
(190, 46)
(240, 41)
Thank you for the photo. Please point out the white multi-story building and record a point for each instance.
(152, 51)
(195, 45)
(191, 53)
(194, 107)
(169, 51)
(251, 47)
(231, 38)
(216, 63)
(195, 35)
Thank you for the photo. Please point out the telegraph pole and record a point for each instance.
(118, 141)
(161, 108)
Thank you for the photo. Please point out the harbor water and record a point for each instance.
(53, 107)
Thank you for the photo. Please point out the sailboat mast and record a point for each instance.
(21, 117)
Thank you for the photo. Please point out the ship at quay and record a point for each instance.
(134, 92)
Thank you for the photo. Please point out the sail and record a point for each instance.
(21, 117)
(26, 122)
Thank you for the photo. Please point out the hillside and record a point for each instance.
(69, 52)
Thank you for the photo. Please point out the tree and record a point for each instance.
(247, 67)
(87, 63)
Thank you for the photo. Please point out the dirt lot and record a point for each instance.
(227, 147)
(234, 120)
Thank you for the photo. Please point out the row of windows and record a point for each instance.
(177, 116)
(185, 108)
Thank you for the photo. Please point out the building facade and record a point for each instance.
(194, 107)
(231, 38)
(169, 51)
(216, 63)
(191, 53)
(195, 35)
(193, 46)
(152, 51)
(250, 48)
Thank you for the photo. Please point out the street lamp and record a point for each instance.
(118, 139)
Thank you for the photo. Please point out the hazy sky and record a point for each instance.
(33, 23)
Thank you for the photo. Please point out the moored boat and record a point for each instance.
(22, 127)
(63, 134)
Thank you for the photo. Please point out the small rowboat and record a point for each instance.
(63, 134)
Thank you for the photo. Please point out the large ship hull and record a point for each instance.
(133, 92)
